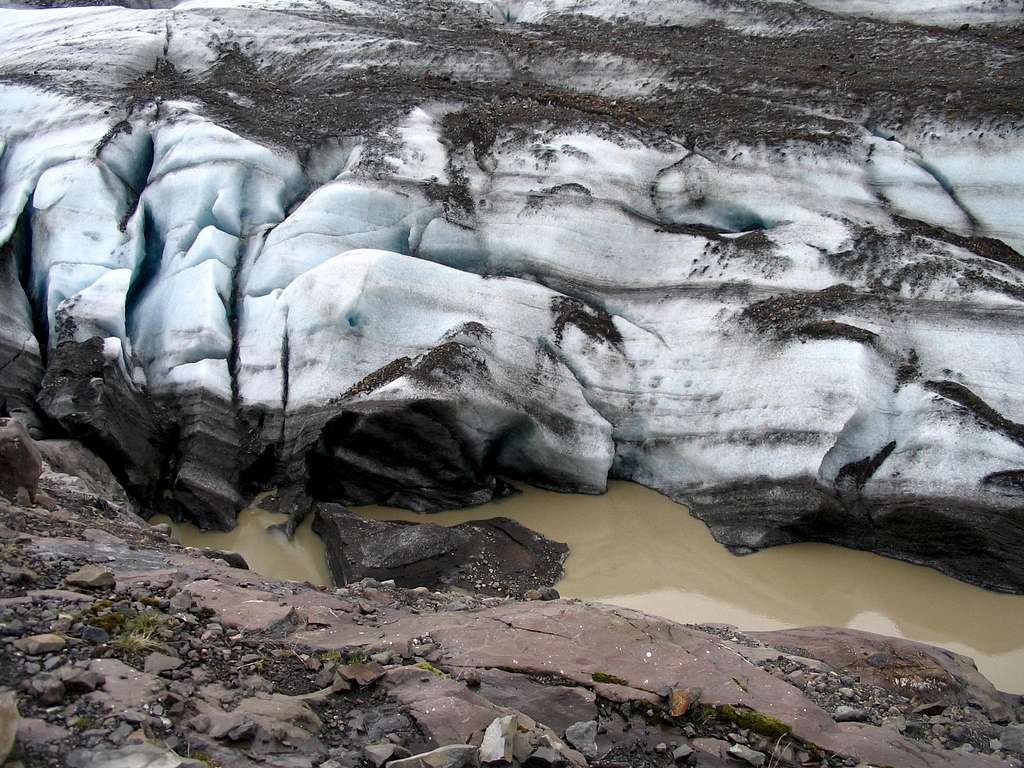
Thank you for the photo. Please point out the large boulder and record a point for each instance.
(20, 461)
(495, 555)
(70, 457)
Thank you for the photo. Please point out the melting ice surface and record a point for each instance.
(635, 548)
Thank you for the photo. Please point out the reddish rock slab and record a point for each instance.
(123, 687)
(447, 711)
(919, 671)
(246, 609)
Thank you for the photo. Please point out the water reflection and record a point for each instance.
(635, 548)
(263, 545)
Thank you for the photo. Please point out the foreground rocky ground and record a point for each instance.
(121, 648)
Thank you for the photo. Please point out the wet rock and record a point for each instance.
(453, 756)
(747, 755)
(583, 738)
(91, 577)
(20, 460)
(35, 645)
(480, 552)
(8, 723)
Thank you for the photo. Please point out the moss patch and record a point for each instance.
(426, 666)
(604, 677)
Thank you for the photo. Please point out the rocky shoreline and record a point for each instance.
(121, 647)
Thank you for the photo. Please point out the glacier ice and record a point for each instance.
(292, 245)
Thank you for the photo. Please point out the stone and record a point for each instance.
(681, 699)
(1012, 738)
(94, 635)
(9, 718)
(78, 680)
(146, 755)
(378, 754)
(747, 755)
(583, 738)
(929, 710)
(847, 714)
(452, 756)
(36, 645)
(682, 753)
(425, 554)
(498, 741)
(21, 464)
(161, 662)
(363, 675)
(48, 689)
(91, 577)
(545, 757)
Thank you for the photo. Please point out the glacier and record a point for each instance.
(764, 257)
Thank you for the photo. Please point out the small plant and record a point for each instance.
(357, 658)
(139, 633)
(331, 657)
(83, 723)
(604, 677)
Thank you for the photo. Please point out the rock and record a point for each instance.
(91, 397)
(747, 755)
(378, 754)
(94, 635)
(161, 662)
(91, 577)
(436, 556)
(453, 756)
(182, 601)
(79, 680)
(583, 738)
(935, 708)
(234, 559)
(8, 723)
(680, 700)
(145, 755)
(846, 714)
(89, 471)
(682, 753)
(363, 675)
(1012, 738)
(35, 645)
(20, 460)
(545, 757)
(48, 689)
(498, 741)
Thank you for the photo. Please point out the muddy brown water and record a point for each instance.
(635, 548)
